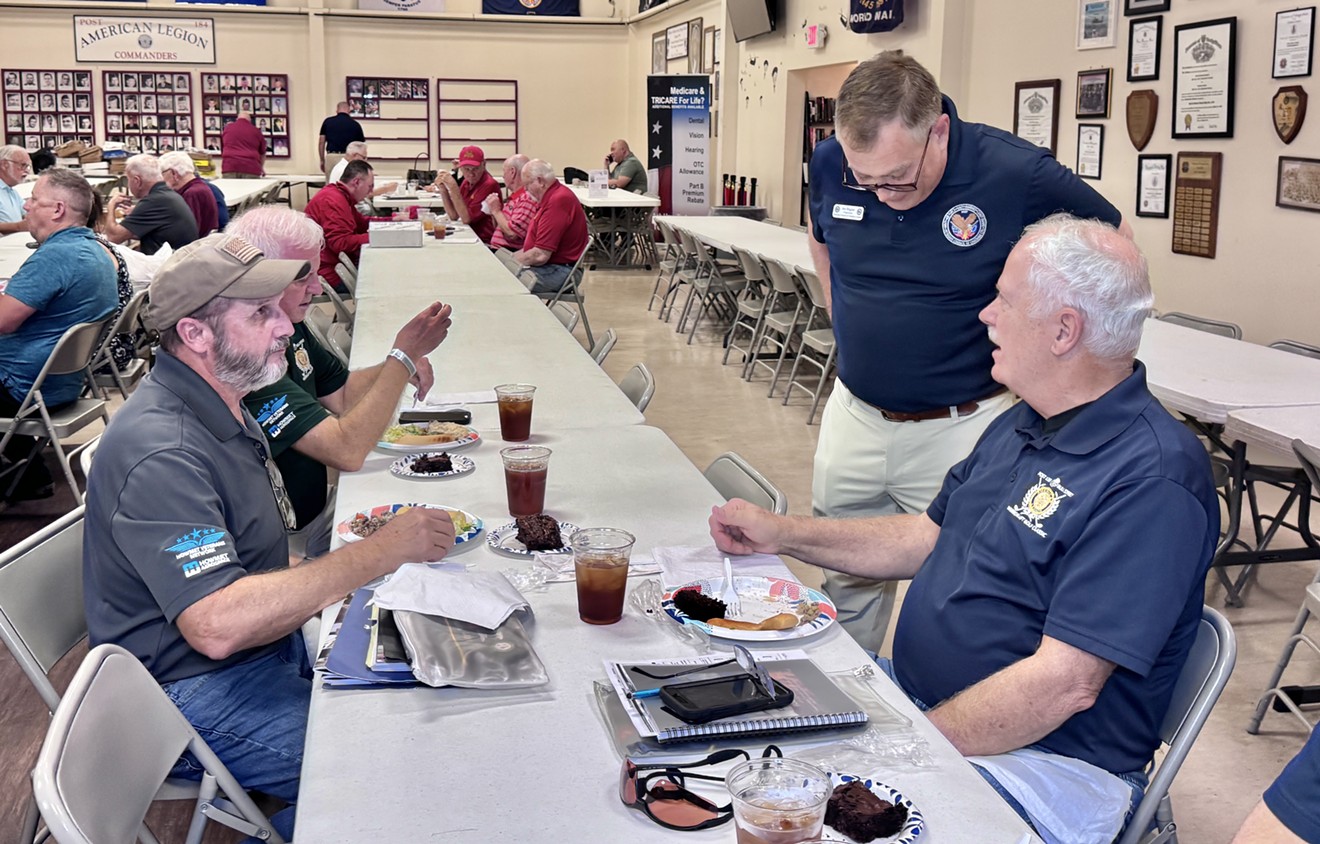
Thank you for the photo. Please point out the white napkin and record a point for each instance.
(458, 399)
(681, 564)
(482, 598)
(562, 571)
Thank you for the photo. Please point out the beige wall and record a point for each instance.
(1267, 257)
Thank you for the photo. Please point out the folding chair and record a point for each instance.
(566, 316)
(571, 292)
(819, 341)
(323, 338)
(112, 741)
(125, 323)
(1202, 679)
(88, 452)
(273, 196)
(1296, 347)
(778, 327)
(1213, 326)
(751, 305)
(711, 285)
(1310, 460)
(341, 342)
(733, 477)
(670, 261)
(639, 386)
(72, 353)
(603, 346)
(347, 273)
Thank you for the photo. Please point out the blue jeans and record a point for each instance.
(254, 717)
(1136, 780)
(546, 279)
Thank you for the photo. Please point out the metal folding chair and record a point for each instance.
(343, 312)
(603, 346)
(670, 262)
(567, 316)
(751, 305)
(347, 273)
(778, 327)
(323, 338)
(571, 291)
(1202, 679)
(734, 477)
(126, 323)
(72, 354)
(341, 342)
(1213, 326)
(711, 285)
(817, 341)
(112, 742)
(639, 386)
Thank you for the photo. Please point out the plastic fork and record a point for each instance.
(732, 605)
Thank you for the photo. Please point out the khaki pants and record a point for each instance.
(868, 466)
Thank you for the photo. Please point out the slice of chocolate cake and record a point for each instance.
(855, 811)
(698, 606)
(430, 463)
(539, 533)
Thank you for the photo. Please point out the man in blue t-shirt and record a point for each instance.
(70, 279)
(1289, 811)
(913, 213)
(1057, 578)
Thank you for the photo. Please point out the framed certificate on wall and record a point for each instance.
(1204, 78)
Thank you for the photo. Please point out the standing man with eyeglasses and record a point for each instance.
(913, 214)
(15, 165)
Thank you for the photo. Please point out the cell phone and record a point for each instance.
(409, 417)
(709, 700)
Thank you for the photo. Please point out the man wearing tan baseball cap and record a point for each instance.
(186, 558)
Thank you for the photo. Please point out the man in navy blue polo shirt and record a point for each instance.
(1289, 811)
(913, 213)
(1058, 577)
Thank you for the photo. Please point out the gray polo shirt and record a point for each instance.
(633, 169)
(179, 505)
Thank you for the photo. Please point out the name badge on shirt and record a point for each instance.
(848, 212)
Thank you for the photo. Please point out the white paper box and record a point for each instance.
(385, 234)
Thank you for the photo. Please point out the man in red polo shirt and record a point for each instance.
(513, 216)
(463, 202)
(557, 236)
(242, 149)
(344, 226)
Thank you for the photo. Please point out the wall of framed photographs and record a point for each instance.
(47, 107)
(265, 95)
(148, 111)
(395, 112)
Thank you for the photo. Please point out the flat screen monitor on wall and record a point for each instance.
(750, 18)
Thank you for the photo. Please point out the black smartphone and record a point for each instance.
(722, 697)
(412, 417)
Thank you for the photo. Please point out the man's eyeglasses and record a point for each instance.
(850, 181)
(22, 166)
(663, 794)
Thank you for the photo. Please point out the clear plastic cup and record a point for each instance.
(778, 801)
(525, 469)
(600, 564)
(515, 403)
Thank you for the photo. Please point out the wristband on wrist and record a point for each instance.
(402, 357)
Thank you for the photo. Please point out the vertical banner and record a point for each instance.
(678, 141)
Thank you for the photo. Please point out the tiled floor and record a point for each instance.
(707, 410)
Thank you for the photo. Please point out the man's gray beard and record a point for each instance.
(244, 374)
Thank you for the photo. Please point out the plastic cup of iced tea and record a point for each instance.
(778, 801)
(600, 564)
(525, 468)
(515, 402)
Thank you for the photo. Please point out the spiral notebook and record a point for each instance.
(818, 704)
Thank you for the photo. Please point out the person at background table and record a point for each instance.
(319, 414)
(334, 208)
(1059, 574)
(185, 561)
(1289, 810)
(179, 172)
(70, 279)
(337, 132)
(357, 151)
(514, 215)
(15, 165)
(463, 200)
(913, 213)
(557, 235)
(160, 215)
(627, 172)
(242, 149)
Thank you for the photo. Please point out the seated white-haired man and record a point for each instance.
(179, 172)
(159, 215)
(1057, 578)
(557, 235)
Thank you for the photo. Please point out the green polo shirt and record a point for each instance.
(633, 169)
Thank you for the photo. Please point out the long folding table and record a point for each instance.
(765, 240)
(438, 268)
(620, 226)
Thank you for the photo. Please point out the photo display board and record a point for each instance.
(46, 108)
(265, 95)
(148, 111)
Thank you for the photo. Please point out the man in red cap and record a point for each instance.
(463, 201)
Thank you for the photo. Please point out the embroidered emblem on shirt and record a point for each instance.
(964, 225)
(1041, 501)
(275, 416)
(200, 549)
(848, 212)
(302, 360)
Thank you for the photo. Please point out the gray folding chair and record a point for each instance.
(751, 305)
(343, 312)
(1309, 458)
(815, 341)
(711, 285)
(734, 477)
(348, 273)
(1202, 679)
(112, 741)
(603, 346)
(323, 338)
(639, 386)
(1296, 347)
(1213, 326)
(72, 354)
(572, 292)
(341, 342)
(671, 260)
(125, 323)
(566, 316)
(779, 325)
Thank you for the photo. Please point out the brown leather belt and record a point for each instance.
(967, 408)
